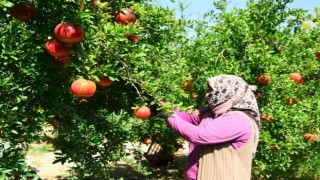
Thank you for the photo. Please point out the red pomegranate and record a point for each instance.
(104, 81)
(291, 101)
(23, 11)
(263, 79)
(68, 33)
(125, 16)
(83, 88)
(133, 38)
(296, 77)
(57, 49)
(142, 112)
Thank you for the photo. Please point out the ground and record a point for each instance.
(41, 155)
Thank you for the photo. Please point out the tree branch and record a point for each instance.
(122, 61)
(72, 111)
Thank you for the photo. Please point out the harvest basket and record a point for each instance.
(157, 156)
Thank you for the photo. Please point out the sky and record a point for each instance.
(197, 7)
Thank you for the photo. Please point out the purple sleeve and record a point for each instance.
(213, 131)
(189, 117)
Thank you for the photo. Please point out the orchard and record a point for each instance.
(96, 71)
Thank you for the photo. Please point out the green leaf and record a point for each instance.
(7, 4)
(15, 108)
(6, 80)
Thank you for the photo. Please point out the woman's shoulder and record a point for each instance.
(236, 113)
(235, 117)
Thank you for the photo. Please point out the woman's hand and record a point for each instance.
(165, 109)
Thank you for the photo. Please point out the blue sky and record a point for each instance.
(198, 7)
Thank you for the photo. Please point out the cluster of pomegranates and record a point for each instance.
(65, 36)
(265, 79)
(127, 17)
(68, 34)
(189, 86)
(83, 88)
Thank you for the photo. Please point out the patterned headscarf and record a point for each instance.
(230, 92)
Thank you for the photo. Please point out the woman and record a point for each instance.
(223, 138)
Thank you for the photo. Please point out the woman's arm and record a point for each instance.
(190, 117)
(212, 131)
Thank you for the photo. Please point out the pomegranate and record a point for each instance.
(148, 141)
(310, 137)
(296, 77)
(55, 123)
(125, 16)
(266, 117)
(317, 54)
(83, 88)
(57, 49)
(291, 101)
(142, 112)
(104, 81)
(68, 33)
(133, 38)
(93, 4)
(188, 85)
(194, 95)
(263, 79)
(23, 11)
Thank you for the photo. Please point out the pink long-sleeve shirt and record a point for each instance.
(233, 128)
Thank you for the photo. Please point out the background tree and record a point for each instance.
(146, 59)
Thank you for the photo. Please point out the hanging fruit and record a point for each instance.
(142, 112)
(83, 88)
(104, 81)
(68, 33)
(23, 11)
(57, 49)
(125, 16)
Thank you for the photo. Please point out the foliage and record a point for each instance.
(265, 38)
(268, 39)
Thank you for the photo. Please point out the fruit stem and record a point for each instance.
(83, 99)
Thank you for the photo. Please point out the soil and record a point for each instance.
(41, 155)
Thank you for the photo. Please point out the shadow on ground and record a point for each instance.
(42, 164)
(173, 171)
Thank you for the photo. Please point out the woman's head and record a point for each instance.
(226, 92)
